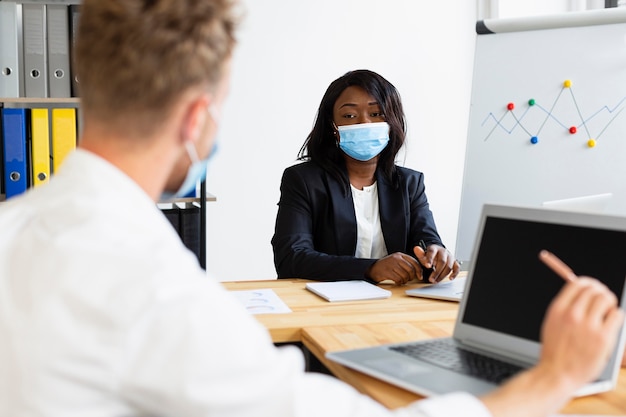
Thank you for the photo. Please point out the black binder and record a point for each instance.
(172, 213)
(185, 218)
(190, 227)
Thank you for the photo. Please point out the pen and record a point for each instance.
(557, 265)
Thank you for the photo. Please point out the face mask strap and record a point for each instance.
(215, 115)
(191, 151)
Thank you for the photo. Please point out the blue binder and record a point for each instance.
(14, 146)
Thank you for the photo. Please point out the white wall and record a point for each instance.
(289, 52)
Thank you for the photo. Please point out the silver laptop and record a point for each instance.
(447, 290)
(506, 295)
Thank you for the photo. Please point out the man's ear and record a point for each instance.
(194, 118)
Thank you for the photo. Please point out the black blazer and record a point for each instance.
(316, 232)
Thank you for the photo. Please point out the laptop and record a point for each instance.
(507, 292)
(447, 290)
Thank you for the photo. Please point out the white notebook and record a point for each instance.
(347, 290)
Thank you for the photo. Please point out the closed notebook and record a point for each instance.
(347, 290)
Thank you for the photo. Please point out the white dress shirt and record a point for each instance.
(370, 242)
(104, 312)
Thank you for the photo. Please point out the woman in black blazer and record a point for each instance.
(347, 211)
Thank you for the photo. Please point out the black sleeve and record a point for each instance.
(295, 254)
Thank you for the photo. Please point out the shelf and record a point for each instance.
(209, 197)
(50, 101)
(45, 1)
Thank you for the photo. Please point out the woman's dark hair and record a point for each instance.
(321, 147)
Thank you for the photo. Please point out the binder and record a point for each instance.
(40, 146)
(63, 135)
(57, 18)
(2, 187)
(14, 147)
(10, 69)
(34, 39)
(190, 227)
(172, 213)
(74, 15)
(185, 219)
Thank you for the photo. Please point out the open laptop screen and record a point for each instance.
(511, 288)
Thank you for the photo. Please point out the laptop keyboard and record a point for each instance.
(446, 354)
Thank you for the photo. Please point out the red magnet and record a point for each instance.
(510, 106)
(572, 130)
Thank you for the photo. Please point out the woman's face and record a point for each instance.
(354, 105)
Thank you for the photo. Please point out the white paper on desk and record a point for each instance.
(263, 301)
(347, 290)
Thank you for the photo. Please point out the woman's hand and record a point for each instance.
(397, 267)
(440, 260)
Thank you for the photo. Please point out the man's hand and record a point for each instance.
(578, 333)
(580, 330)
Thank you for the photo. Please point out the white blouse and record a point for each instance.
(370, 240)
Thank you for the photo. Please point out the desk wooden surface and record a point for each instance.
(320, 340)
(310, 310)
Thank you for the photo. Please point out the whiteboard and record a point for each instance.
(542, 89)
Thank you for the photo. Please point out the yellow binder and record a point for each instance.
(40, 143)
(63, 135)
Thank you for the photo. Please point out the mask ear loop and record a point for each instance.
(215, 115)
(191, 151)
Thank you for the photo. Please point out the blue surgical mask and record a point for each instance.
(197, 170)
(363, 141)
(196, 173)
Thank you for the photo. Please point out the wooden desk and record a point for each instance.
(310, 310)
(320, 340)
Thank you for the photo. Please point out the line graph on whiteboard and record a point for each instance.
(533, 117)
